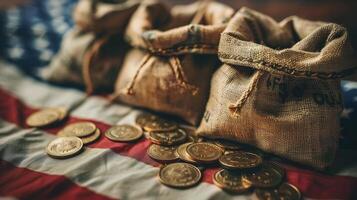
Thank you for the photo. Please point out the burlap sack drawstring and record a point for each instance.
(129, 90)
(86, 67)
(176, 69)
(236, 107)
(175, 63)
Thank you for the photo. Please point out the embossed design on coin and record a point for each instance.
(240, 160)
(168, 138)
(42, 118)
(232, 182)
(79, 129)
(265, 177)
(162, 153)
(285, 191)
(204, 152)
(91, 138)
(179, 175)
(124, 133)
(64, 147)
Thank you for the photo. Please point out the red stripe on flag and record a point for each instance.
(312, 184)
(27, 184)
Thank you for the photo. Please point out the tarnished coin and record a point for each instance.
(162, 153)
(168, 138)
(240, 160)
(124, 133)
(264, 177)
(204, 152)
(182, 153)
(42, 118)
(64, 147)
(227, 145)
(284, 191)
(151, 122)
(232, 182)
(91, 138)
(79, 129)
(179, 175)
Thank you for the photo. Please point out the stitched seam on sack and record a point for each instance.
(183, 48)
(293, 72)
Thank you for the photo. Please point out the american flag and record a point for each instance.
(29, 37)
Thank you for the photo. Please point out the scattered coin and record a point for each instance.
(182, 153)
(232, 182)
(124, 133)
(179, 175)
(151, 122)
(162, 153)
(265, 177)
(79, 129)
(204, 152)
(91, 138)
(284, 191)
(227, 145)
(168, 138)
(240, 160)
(42, 118)
(64, 147)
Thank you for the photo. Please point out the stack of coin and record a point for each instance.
(244, 169)
(47, 117)
(86, 131)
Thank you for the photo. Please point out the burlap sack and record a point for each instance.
(104, 15)
(279, 87)
(88, 60)
(175, 55)
(92, 53)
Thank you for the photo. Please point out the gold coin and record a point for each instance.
(151, 122)
(168, 138)
(227, 145)
(42, 118)
(204, 152)
(162, 153)
(179, 175)
(124, 133)
(232, 182)
(91, 138)
(79, 129)
(182, 153)
(145, 118)
(240, 160)
(64, 147)
(284, 191)
(265, 177)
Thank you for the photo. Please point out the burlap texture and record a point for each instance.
(279, 87)
(104, 15)
(175, 55)
(92, 52)
(88, 60)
